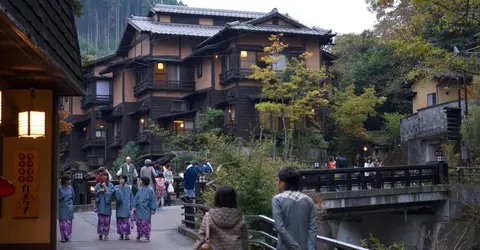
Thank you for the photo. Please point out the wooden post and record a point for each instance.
(407, 178)
(349, 181)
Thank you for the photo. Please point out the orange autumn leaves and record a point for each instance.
(64, 125)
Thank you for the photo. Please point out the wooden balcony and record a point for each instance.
(234, 74)
(182, 86)
(95, 100)
(93, 142)
(114, 141)
(63, 147)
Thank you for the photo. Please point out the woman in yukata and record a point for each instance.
(144, 206)
(103, 197)
(66, 196)
(124, 202)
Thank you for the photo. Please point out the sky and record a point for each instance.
(342, 16)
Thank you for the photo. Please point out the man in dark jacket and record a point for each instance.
(294, 213)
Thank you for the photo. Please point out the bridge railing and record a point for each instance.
(260, 228)
(373, 178)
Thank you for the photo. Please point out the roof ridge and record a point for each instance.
(179, 24)
(201, 8)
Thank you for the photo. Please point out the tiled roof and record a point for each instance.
(146, 24)
(163, 8)
(278, 29)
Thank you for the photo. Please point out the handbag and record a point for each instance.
(206, 244)
(170, 189)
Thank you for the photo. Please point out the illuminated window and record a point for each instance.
(100, 129)
(231, 113)
(178, 126)
(243, 53)
(143, 124)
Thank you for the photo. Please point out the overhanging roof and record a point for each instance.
(145, 24)
(178, 115)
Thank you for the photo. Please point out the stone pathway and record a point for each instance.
(164, 233)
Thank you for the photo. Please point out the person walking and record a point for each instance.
(161, 192)
(226, 227)
(168, 174)
(294, 213)
(369, 176)
(66, 198)
(129, 170)
(124, 202)
(360, 163)
(103, 196)
(144, 207)
(148, 171)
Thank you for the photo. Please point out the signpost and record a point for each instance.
(25, 180)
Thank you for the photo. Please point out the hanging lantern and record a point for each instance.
(31, 123)
(160, 66)
(243, 53)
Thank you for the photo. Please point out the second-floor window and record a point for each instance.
(103, 89)
(167, 72)
(280, 62)
(432, 99)
(100, 129)
(227, 62)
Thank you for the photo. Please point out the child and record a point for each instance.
(144, 206)
(161, 192)
(124, 199)
(103, 198)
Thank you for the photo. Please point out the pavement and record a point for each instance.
(164, 233)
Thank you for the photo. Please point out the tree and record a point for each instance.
(209, 118)
(389, 135)
(351, 111)
(429, 33)
(65, 126)
(292, 93)
(132, 150)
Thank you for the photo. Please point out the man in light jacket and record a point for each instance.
(294, 213)
(129, 170)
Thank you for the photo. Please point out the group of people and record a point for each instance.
(130, 209)
(152, 193)
(223, 227)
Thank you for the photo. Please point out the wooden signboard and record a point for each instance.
(25, 180)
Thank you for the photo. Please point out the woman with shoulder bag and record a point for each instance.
(223, 227)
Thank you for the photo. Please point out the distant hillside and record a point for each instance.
(101, 25)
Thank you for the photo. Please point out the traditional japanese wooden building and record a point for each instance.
(178, 60)
(40, 62)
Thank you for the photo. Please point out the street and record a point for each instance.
(164, 233)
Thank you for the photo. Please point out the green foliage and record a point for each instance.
(351, 111)
(130, 149)
(390, 133)
(307, 139)
(450, 152)
(471, 130)
(77, 8)
(289, 93)
(250, 171)
(429, 30)
(208, 119)
(375, 244)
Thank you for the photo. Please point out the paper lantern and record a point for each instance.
(31, 123)
(6, 187)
